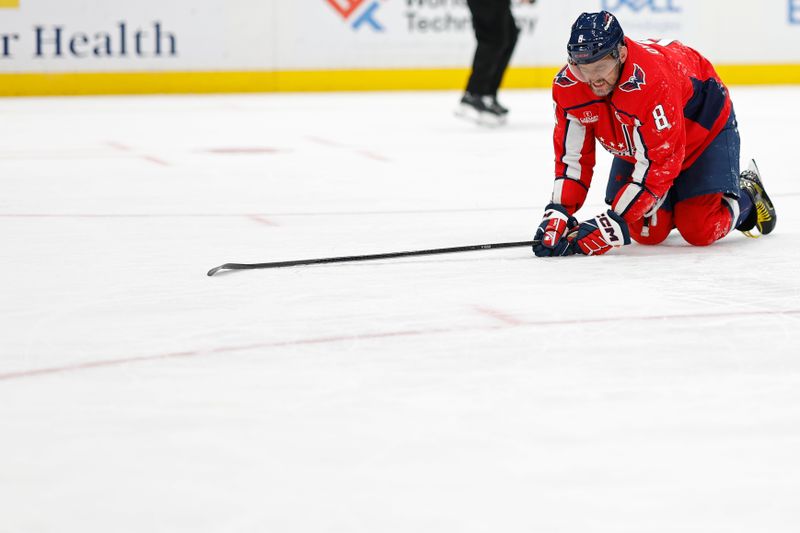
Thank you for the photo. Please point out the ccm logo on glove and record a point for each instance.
(600, 234)
(608, 229)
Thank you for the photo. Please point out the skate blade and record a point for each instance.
(468, 112)
(492, 121)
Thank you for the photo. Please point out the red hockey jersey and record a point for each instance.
(668, 106)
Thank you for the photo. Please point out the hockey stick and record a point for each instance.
(370, 257)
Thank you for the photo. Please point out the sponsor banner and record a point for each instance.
(438, 33)
(386, 33)
(724, 32)
(649, 18)
(95, 36)
(146, 35)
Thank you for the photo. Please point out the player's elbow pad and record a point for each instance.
(633, 202)
(570, 193)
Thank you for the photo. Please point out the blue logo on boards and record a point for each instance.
(654, 6)
(794, 11)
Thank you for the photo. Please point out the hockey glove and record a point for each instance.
(550, 239)
(598, 235)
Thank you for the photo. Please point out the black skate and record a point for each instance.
(763, 216)
(496, 107)
(482, 109)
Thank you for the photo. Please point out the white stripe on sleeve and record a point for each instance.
(627, 197)
(642, 163)
(558, 191)
(576, 135)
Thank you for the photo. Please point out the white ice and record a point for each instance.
(654, 389)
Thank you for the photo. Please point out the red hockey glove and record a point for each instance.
(549, 239)
(599, 234)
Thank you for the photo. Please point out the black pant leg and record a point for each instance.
(496, 33)
(511, 36)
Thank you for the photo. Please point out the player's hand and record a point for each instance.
(598, 235)
(550, 239)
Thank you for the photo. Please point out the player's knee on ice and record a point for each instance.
(702, 220)
(654, 230)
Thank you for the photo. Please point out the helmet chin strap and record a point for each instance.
(620, 64)
(616, 55)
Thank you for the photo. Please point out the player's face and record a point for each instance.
(601, 75)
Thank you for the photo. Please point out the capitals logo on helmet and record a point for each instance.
(635, 82)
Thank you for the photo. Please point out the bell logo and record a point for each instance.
(5, 4)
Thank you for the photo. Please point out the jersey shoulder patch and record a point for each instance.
(562, 79)
(636, 80)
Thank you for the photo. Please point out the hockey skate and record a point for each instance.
(763, 216)
(483, 110)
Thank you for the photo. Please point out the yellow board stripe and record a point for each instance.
(86, 83)
(9, 3)
(759, 74)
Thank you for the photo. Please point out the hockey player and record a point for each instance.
(663, 112)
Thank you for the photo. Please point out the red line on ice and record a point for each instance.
(366, 153)
(118, 146)
(245, 150)
(124, 148)
(155, 160)
(21, 374)
(499, 315)
(371, 155)
(326, 142)
(225, 349)
(262, 220)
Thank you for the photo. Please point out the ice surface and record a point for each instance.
(654, 389)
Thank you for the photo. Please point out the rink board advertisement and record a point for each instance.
(99, 46)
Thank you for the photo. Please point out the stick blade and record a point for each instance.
(217, 269)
